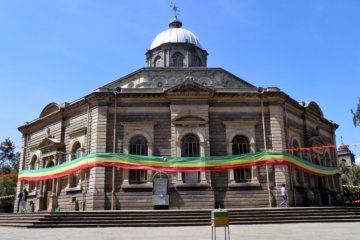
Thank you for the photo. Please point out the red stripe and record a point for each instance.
(170, 169)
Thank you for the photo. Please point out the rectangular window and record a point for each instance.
(242, 175)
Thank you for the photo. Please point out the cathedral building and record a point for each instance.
(177, 107)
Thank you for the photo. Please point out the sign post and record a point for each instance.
(220, 218)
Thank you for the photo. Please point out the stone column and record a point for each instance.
(95, 199)
(277, 128)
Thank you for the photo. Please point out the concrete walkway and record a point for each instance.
(307, 231)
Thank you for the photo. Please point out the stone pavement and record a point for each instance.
(303, 231)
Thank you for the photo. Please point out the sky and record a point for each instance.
(60, 50)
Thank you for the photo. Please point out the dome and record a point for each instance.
(175, 35)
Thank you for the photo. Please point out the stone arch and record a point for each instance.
(137, 132)
(295, 139)
(74, 179)
(251, 140)
(202, 142)
(49, 163)
(127, 138)
(34, 164)
(298, 175)
(158, 62)
(194, 132)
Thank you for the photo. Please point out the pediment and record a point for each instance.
(189, 119)
(50, 144)
(189, 87)
(164, 79)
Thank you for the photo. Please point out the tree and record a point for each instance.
(356, 115)
(9, 163)
(8, 156)
(350, 177)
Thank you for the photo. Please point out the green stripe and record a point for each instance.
(248, 158)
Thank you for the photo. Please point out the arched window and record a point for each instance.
(33, 165)
(190, 147)
(158, 62)
(298, 174)
(48, 183)
(328, 162)
(178, 60)
(138, 146)
(240, 145)
(76, 153)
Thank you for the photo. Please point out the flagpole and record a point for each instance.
(261, 91)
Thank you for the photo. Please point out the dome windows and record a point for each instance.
(178, 60)
(158, 62)
(176, 47)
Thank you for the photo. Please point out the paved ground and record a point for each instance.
(304, 231)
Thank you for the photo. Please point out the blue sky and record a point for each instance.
(60, 50)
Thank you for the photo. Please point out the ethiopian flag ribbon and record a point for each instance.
(175, 164)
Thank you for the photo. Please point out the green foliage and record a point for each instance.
(8, 156)
(350, 176)
(356, 115)
(9, 163)
(7, 187)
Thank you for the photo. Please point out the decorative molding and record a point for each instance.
(150, 124)
(77, 132)
(190, 123)
(240, 123)
(73, 189)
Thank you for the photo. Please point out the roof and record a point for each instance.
(175, 35)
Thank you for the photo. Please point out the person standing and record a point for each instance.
(22, 200)
(20, 196)
(284, 196)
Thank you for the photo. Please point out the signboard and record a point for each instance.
(160, 192)
(160, 186)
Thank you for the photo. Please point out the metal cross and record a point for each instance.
(175, 10)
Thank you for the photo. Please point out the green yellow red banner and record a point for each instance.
(176, 164)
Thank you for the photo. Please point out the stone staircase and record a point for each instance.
(167, 218)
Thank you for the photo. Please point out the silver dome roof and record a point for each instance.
(175, 35)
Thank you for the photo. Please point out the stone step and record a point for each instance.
(179, 217)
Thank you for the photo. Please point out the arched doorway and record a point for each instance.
(320, 183)
(48, 189)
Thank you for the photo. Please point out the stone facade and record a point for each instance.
(163, 108)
